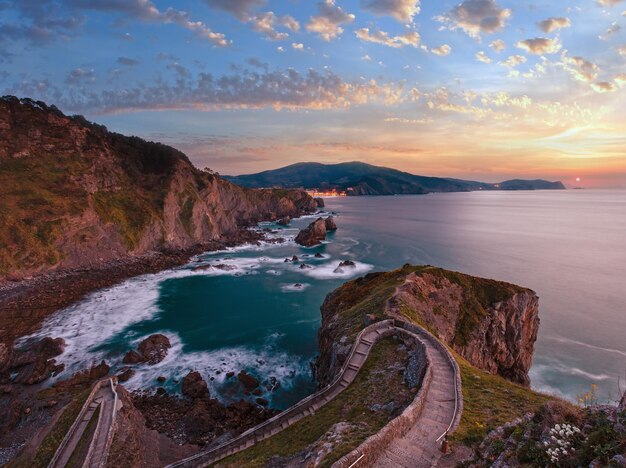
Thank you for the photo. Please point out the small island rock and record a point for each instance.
(194, 386)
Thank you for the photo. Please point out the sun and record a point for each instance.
(577, 179)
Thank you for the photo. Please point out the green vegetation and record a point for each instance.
(365, 296)
(37, 196)
(53, 439)
(478, 295)
(130, 213)
(369, 295)
(376, 383)
(490, 401)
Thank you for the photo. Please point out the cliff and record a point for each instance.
(73, 194)
(492, 324)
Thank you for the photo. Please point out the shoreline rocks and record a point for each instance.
(151, 350)
(315, 232)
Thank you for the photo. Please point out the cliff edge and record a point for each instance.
(492, 324)
(73, 194)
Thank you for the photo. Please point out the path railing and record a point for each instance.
(309, 405)
(304, 407)
(54, 463)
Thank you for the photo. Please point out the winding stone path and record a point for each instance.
(104, 397)
(420, 447)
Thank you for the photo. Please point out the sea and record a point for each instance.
(252, 308)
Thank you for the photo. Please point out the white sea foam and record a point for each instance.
(214, 365)
(102, 315)
(294, 287)
(562, 339)
(331, 270)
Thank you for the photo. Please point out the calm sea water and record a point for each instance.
(261, 314)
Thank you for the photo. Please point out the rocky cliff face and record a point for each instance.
(73, 194)
(496, 333)
(492, 324)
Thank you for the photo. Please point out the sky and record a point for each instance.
(480, 89)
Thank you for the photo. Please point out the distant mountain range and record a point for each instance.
(357, 178)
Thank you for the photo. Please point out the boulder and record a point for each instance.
(38, 371)
(154, 348)
(319, 201)
(284, 221)
(249, 383)
(43, 349)
(330, 224)
(262, 401)
(133, 357)
(312, 235)
(194, 386)
(125, 375)
(318, 255)
(343, 265)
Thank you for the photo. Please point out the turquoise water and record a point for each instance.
(568, 246)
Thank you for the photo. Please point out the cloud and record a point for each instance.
(481, 57)
(147, 11)
(265, 23)
(297, 46)
(401, 10)
(580, 68)
(411, 38)
(81, 76)
(613, 29)
(609, 3)
(553, 24)
(327, 23)
(540, 45)
(620, 80)
(41, 21)
(622, 50)
(129, 62)
(444, 49)
(498, 45)
(290, 23)
(513, 61)
(241, 9)
(476, 17)
(277, 89)
(603, 87)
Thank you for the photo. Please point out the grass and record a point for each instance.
(53, 439)
(490, 401)
(128, 211)
(373, 385)
(36, 197)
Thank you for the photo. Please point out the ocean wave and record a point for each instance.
(263, 363)
(331, 270)
(561, 339)
(294, 287)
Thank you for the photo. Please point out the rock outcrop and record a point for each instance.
(315, 232)
(151, 350)
(32, 363)
(492, 324)
(77, 195)
(194, 386)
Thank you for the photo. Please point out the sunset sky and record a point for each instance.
(483, 89)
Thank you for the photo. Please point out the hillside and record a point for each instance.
(74, 194)
(364, 179)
